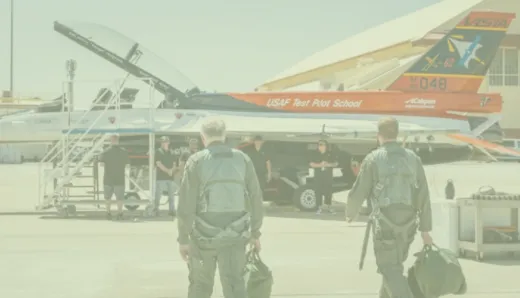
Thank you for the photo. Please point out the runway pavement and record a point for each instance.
(311, 256)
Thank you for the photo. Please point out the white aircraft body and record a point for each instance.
(49, 127)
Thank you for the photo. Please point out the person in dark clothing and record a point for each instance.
(260, 161)
(115, 160)
(323, 162)
(165, 163)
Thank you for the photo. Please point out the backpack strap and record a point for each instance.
(209, 181)
(380, 185)
(217, 155)
(400, 231)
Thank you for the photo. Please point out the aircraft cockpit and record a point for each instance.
(56, 105)
(127, 99)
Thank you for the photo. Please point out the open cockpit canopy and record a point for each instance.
(129, 55)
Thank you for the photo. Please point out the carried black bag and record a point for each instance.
(436, 272)
(258, 277)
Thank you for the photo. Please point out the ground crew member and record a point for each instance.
(165, 163)
(220, 211)
(393, 178)
(323, 162)
(260, 160)
(115, 160)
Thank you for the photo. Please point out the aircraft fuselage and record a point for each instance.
(50, 127)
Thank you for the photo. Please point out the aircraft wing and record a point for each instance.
(125, 128)
(300, 129)
(481, 144)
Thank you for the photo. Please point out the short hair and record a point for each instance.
(388, 128)
(213, 129)
(324, 142)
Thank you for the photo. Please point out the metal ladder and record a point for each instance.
(71, 160)
(70, 169)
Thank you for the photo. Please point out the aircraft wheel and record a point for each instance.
(132, 196)
(305, 199)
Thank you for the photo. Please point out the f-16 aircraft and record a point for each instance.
(439, 89)
(435, 100)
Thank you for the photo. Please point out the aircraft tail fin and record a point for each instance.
(461, 59)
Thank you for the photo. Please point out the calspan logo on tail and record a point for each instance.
(466, 50)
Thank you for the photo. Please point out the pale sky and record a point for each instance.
(229, 45)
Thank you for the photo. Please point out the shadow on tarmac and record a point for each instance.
(128, 217)
(272, 210)
(293, 212)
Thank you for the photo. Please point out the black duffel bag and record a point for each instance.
(435, 273)
(258, 277)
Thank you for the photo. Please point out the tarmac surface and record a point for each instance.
(42, 255)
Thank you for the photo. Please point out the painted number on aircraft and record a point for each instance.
(430, 84)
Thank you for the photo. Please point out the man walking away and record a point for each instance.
(260, 161)
(115, 160)
(165, 162)
(220, 211)
(323, 162)
(393, 179)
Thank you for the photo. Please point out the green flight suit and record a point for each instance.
(395, 231)
(218, 238)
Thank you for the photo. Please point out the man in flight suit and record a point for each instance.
(165, 164)
(393, 179)
(220, 210)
